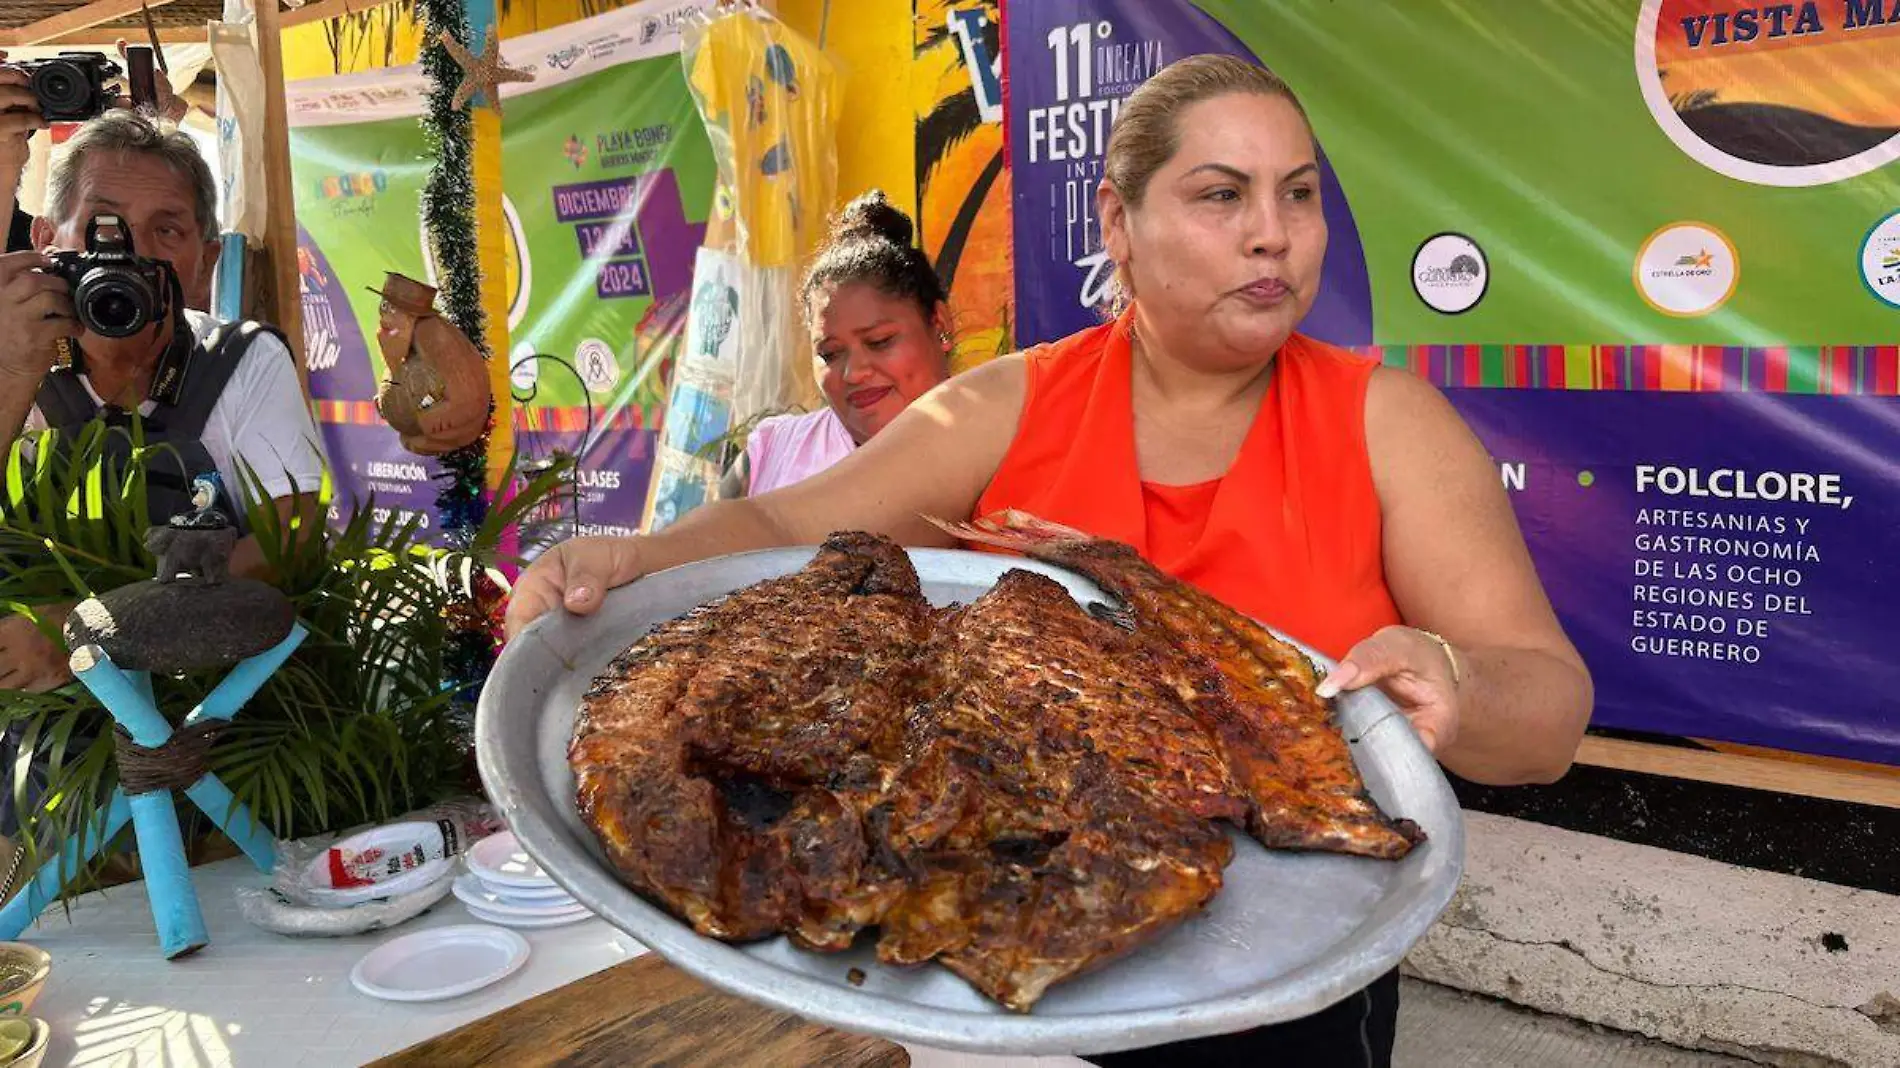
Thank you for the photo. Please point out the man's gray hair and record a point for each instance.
(118, 133)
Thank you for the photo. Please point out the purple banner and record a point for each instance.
(371, 469)
(1693, 396)
(598, 200)
(368, 465)
(1719, 583)
(610, 483)
(624, 216)
(337, 351)
(1070, 64)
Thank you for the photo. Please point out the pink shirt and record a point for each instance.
(791, 448)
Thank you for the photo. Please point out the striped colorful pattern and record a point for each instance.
(1834, 370)
(561, 420)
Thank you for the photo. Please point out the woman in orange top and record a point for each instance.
(1344, 503)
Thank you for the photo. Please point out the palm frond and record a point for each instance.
(1697, 98)
(953, 120)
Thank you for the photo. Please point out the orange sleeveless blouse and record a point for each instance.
(1290, 535)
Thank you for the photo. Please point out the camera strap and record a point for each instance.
(168, 376)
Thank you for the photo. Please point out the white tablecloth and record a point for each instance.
(252, 998)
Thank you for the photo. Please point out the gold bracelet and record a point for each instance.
(1457, 676)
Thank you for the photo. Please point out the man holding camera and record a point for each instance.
(23, 113)
(142, 205)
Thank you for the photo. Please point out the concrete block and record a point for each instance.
(1772, 967)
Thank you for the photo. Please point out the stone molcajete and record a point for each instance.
(193, 614)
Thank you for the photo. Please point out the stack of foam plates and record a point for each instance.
(505, 886)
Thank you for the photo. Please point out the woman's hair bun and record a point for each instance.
(872, 215)
(870, 242)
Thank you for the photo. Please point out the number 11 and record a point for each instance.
(1078, 36)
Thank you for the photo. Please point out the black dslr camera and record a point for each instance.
(71, 86)
(115, 292)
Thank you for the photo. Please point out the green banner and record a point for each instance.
(605, 208)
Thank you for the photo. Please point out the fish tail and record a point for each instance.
(1012, 529)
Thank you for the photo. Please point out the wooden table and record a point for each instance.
(645, 1011)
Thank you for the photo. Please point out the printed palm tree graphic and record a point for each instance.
(951, 122)
(1690, 101)
(1766, 132)
(353, 33)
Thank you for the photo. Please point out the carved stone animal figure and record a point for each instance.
(196, 556)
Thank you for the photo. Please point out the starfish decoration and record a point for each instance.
(481, 74)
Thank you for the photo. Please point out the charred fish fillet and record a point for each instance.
(1282, 744)
(1058, 799)
(726, 760)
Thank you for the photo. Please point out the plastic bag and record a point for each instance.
(770, 101)
(369, 878)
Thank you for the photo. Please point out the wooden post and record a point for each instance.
(280, 228)
(78, 19)
(175, 909)
(1836, 780)
(491, 240)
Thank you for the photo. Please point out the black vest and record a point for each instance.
(67, 407)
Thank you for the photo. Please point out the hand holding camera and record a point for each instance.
(36, 312)
(72, 86)
(76, 86)
(20, 119)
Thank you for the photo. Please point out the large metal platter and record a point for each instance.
(1288, 934)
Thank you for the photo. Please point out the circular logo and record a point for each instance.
(1450, 273)
(1880, 259)
(518, 269)
(598, 366)
(523, 369)
(1687, 269)
(1773, 94)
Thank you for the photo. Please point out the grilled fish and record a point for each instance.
(726, 760)
(1282, 744)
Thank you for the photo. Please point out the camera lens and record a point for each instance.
(60, 87)
(117, 310)
(114, 303)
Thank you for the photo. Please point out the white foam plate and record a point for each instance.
(565, 918)
(531, 899)
(499, 861)
(443, 962)
(475, 894)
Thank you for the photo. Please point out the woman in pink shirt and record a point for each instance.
(880, 331)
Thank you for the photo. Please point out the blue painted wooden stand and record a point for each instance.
(127, 695)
